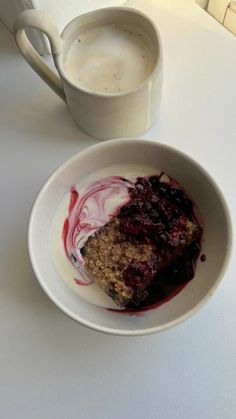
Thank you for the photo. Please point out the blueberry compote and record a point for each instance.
(160, 213)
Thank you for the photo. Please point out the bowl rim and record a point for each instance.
(111, 330)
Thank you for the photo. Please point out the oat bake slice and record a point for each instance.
(124, 269)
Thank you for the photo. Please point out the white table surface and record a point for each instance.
(50, 366)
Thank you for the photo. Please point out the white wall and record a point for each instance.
(202, 3)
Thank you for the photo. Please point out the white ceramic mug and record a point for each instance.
(101, 115)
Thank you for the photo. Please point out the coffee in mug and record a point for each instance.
(109, 59)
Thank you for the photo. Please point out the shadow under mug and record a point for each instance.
(100, 115)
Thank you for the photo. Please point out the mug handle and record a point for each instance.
(39, 20)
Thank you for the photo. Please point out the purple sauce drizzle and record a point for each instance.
(87, 212)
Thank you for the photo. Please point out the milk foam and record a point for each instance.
(109, 59)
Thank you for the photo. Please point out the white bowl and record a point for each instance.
(201, 188)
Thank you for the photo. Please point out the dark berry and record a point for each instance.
(154, 215)
(138, 274)
(187, 206)
(143, 182)
(128, 210)
(163, 189)
(194, 249)
(131, 225)
(177, 194)
(154, 199)
(154, 180)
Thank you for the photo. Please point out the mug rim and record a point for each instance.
(156, 72)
